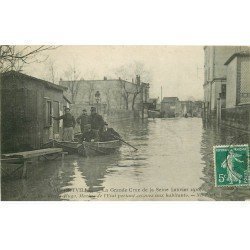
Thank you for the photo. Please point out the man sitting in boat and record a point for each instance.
(88, 135)
(96, 122)
(108, 134)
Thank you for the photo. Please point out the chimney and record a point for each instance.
(138, 80)
(132, 80)
(60, 81)
(120, 78)
(105, 78)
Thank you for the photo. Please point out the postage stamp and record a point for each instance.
(231, 165)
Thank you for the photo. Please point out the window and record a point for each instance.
(56, 114)
(48, 119)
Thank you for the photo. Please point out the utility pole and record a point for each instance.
(161, 100)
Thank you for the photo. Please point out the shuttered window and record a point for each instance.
(48, 113)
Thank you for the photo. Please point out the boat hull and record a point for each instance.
(101, 148)
(67, 146)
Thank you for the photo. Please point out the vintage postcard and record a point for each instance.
(115, 123)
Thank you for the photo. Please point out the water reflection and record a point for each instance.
(94, 171)
(213, 135)
(173, 153)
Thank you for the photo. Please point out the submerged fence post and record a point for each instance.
(218, 110)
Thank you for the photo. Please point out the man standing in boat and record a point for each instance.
(68, 125)
(96, 122)
(83, 120)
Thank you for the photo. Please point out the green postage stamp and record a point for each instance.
(231, 165)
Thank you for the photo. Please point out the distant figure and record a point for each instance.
(232, 175)
(83, 120)
(96, 122)
(108, 134)
(68, 125)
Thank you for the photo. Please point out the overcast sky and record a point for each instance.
(178, 69)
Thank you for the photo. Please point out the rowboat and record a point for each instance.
(67, 146)
(101, 148)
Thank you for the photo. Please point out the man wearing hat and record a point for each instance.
(68, 125)
(96, 122)
(88, 134)
(108, 134)
(83, 120)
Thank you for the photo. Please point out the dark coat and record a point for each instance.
(109, 135)
(83, 120)
(68, 120)
(96, 121)
(88, 136)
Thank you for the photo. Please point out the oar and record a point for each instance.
(118, 138)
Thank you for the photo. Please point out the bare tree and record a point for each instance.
(107, 93)
(14, 57)
(123, 72)
(51, 72)
(137, 91)
(91, 89)
(126, 93)
(72, 75)
(90, 74)
(129, 71)
(138, 68)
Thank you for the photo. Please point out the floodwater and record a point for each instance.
(174, 161)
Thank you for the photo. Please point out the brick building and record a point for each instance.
(108, 95)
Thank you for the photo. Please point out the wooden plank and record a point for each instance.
(12, 160)
(33, 153)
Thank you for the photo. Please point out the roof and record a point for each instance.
(45, 83)
(62, 82)
(95, 81)
(242, 54)
(170, 99)
(66, 99)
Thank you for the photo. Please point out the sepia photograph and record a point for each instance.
(125, 123)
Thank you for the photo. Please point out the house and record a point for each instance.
(171, 107)
(236, 111)
(215, 74)
(27, 104)
(238, 80)
(108, 95)
(226, 85)
(152, 103)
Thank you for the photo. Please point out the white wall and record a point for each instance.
(231, 83)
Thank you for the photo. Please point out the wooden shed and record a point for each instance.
(27, 104)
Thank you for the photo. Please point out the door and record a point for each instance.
(55, 122)
(19, 120)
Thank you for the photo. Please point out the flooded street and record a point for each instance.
(174, 161)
